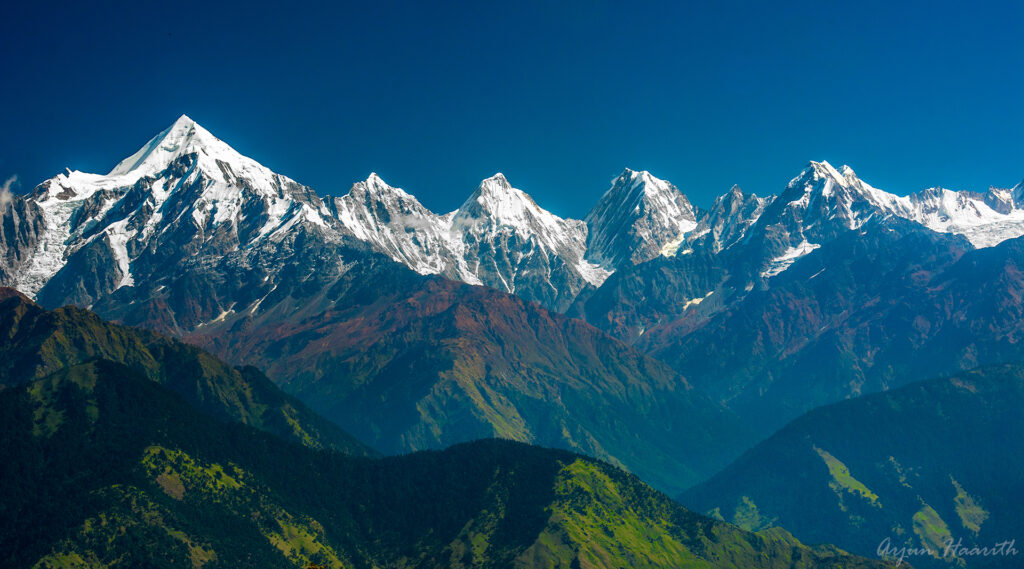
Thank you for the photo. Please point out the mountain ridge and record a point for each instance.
(542, 257)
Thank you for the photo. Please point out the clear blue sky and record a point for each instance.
(560, 96)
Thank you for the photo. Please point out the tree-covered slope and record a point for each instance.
(930, 461)
(38, 342)
(406, 362)
(105, 468)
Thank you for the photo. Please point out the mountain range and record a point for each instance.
(191, 234)
(189, 186)
(660, 337)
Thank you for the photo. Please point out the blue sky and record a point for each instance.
(560, 96)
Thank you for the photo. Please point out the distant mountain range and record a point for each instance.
(663, 338)
(189, 237)
(188, 186)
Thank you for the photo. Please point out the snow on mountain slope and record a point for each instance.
(498, 213)
(499, 237)
(184, 191)
(637, 219)
(984, 219)
(397, 224)
(186, 196)
(823, 195)
(787, 258)
(730, 217)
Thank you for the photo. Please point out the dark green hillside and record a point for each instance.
(930, 461)
(105, 468)
(38, 342)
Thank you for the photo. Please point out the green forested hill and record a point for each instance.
(932, 461)
(106, 468)
(37, 342)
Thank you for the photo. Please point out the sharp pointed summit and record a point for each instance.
(636, 218)
(727, 222)
(183, 192)
(498, 180)
(375, 185)
(183, 137)
(495, 197)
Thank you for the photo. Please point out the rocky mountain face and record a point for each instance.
(831, 326)
(21, 227)
(730, 217)
(917, 466)
(639, 218)
(873, 310)
(499, 237)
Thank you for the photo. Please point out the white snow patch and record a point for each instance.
(118, 237)
(696, 301)
(787, 258)
(592, 273)
(671, 248)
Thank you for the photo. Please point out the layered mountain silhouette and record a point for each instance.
(657, 336)
(38, 343)
(114, 456)
(924, 465)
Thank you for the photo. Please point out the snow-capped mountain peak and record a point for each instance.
(396, 223)
(823, 200)
(829, 195)
(512, 244)
(497, 182)
(637, 185)
(374, 185)
(496, 206)
(820, 176)
(499, 237)
(185, 188)
(730, 217)
(183, 137)
(495, 197)
(638, 218)
(188, 195)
